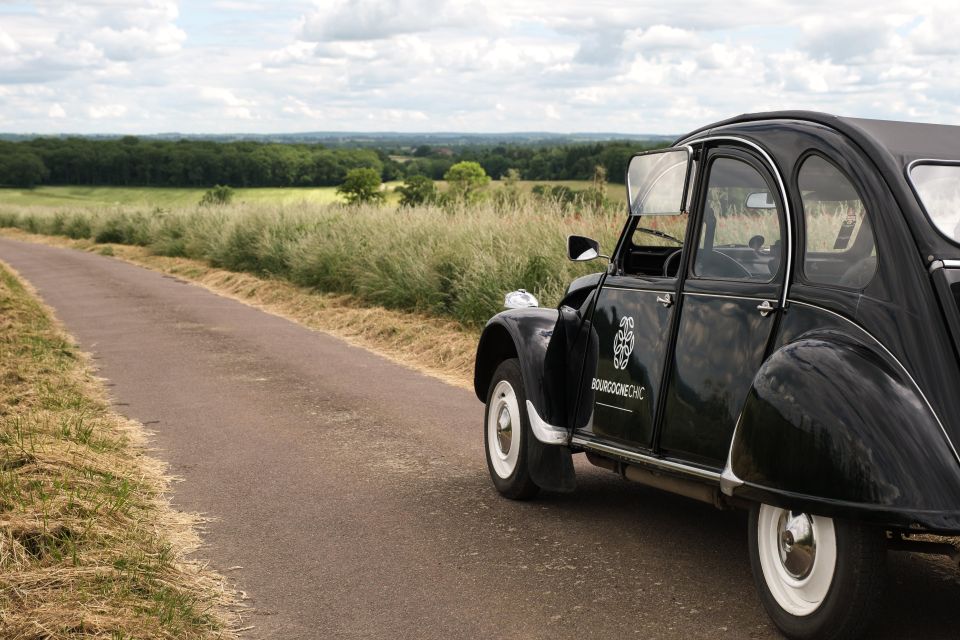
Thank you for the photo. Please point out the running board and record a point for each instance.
(632, 457)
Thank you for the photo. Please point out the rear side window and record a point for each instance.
(839, 249)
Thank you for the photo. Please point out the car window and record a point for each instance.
(740, 231)
(839, 249)
(938, 186)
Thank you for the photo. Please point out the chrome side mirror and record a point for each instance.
(582, 249)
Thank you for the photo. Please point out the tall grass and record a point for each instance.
(454, 261)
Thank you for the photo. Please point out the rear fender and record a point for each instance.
(834, 424)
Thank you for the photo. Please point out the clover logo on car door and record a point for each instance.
(623, 343)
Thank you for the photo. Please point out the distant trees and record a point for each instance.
(465, 180)
(361, 186)
(417, 190)
(132, 161)
(20, 168)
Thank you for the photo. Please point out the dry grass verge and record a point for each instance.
(442, 348)
(89, 546)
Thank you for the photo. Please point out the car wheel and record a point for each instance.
(505, 433)
(817, 577)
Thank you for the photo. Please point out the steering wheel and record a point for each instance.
(666, 263)
(715, 263)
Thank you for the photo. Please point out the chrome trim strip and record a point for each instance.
(616, 288)
(897, 360)
(668, 465)
(722, 295)
(729, 480)
(936, 264)
(544, 431)
(783, 196)
(950, 264)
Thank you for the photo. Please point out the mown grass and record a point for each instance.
(455, 262)
(88, 546)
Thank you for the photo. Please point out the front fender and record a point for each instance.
(524, 334)
(537, 338)
(834, 423)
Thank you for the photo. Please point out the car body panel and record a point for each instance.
(842, 402)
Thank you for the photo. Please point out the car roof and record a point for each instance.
(905, 141)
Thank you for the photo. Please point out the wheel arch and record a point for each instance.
(834, 424)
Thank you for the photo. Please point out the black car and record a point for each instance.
(778, 328)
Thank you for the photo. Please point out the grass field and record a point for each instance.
(88, 545)
(454, 262)
(176, 197)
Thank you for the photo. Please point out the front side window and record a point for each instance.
(938, 186)
(740, 232)
(839, 248)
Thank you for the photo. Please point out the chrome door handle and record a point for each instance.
(766, 307)
(666, 299)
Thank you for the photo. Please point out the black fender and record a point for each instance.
(834, 424)
(538, 339)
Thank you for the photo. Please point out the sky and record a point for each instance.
(664, 67)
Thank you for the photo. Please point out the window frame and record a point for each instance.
(802, 248)
(744, 156)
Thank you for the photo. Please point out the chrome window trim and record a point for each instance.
(772, 167)
(916, 386)
(616, 288)
(662, 463)
(940, 264)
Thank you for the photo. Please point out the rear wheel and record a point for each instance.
(817, 577)
(506, 433)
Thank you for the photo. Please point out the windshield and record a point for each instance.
(938, 186)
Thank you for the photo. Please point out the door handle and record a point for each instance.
(666, 299)
(766, 308)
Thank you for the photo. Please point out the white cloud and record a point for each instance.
(106, 111)
(229, 65)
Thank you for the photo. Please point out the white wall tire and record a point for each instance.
(506, 431)
(818, 578)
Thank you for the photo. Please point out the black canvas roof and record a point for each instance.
(905, 141)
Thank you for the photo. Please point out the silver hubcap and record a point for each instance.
(504, 430)
(798, 557)
(798, 544)
(503, 414)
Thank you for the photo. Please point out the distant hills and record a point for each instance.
(379, 138)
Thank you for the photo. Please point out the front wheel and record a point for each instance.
(506, 433)
(818, 578)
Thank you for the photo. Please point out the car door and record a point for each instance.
(728, 306)
(632, 318)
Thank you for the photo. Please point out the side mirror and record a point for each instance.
(582, 249)
(760, 200)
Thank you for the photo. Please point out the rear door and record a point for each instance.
(728, 307)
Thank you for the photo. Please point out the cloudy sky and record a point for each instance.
(452, 65)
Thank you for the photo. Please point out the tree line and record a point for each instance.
(131, 161)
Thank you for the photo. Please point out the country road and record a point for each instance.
(354, 495)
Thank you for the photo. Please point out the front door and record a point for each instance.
(728, 307)
(633, 318)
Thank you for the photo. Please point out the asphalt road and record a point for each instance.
(354, 494)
